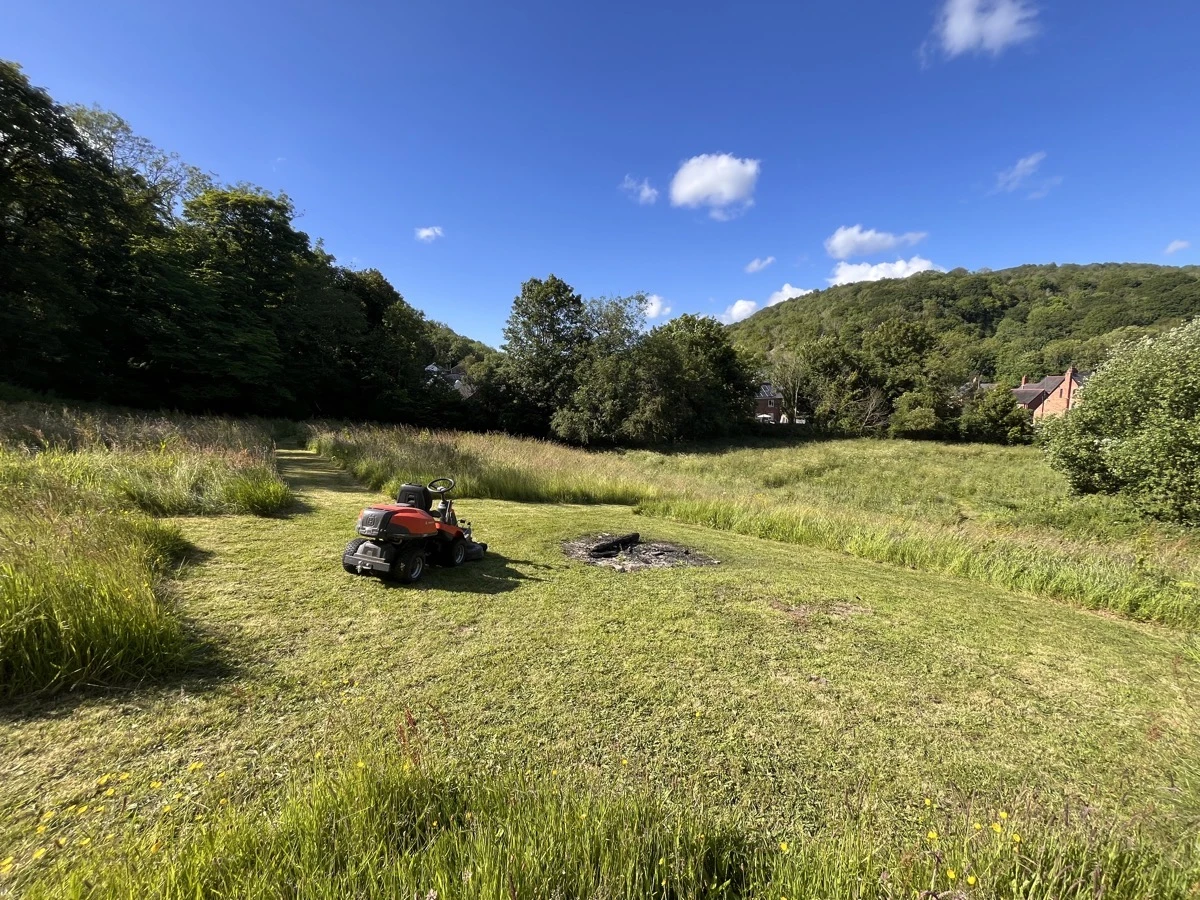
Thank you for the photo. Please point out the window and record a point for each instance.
(770, 403)
(1060, 392)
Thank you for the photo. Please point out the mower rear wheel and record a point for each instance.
(454, 553)
(351, 549)
(409, 565)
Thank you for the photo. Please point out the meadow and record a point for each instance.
(992, 514)
(84, 571)
(798, 721)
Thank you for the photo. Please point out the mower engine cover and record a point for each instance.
(392, 520)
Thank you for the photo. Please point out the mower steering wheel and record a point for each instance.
(441, 490)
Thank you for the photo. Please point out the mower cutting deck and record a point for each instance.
(399, 538)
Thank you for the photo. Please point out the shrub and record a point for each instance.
(1136, 428)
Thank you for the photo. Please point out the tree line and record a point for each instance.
(128, 276)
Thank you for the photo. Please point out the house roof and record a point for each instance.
(769, 392)
(1030, 393)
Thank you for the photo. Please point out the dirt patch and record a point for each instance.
(629, 553)
(834, 609)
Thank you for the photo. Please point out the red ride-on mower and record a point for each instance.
(397, 539)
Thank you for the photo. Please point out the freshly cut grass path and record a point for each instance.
(801, 690)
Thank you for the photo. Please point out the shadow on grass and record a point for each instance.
(494, 574)
(200, 669)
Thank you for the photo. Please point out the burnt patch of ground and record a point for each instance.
(642, 554)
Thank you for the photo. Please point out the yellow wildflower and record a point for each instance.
(997, 827)
(223, 773)
(783, 845)
(662, 860)
(156, 784)
(196, 767)
(928, 802)
(1016, 838)
(83, 809)
(932, 835)
(103, 780)
(1003, 816)
(48, 815)
(39, 852)
(624, 762)
(110, 792)
(224, 801)
(167, 807)
(6, 865)
(971, 880)
(951, 874)
(979, 826)
(124, 776)
(62, 842)
(41, 829)
(83, 842)
(154, 848)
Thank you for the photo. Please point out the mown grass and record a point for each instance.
(398, 824)
(814, 700)
(997, 515)
(83, 567)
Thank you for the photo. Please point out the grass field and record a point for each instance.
(794, 722)
(996, 515)
(84, 593)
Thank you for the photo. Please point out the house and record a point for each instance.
(1052, 396)
(455, 377)
(768, 404)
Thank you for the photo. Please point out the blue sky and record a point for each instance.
(664, 147)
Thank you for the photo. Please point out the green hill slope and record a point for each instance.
(1029, 320)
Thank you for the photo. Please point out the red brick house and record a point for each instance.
(768, 405)
(1052, 396)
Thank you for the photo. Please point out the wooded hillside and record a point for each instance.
(1029, 320)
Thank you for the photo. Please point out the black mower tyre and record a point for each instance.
(409, 565)
(351, 549)
(454, 553)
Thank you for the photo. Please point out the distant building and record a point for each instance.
(456, 377)
(768, 405)
(1052, 396)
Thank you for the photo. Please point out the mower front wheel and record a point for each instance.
(351, 549)
(410, 564)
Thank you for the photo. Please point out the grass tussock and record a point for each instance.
(395, 825)
(997, 515)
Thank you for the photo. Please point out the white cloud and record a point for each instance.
(656, 306)
(787, 292)
(1045, 187)
(1011, 179)
(740, 309)
(430, 234)
(854, 241)
(1176, 246)
(723, 183)
(990, 26)
(757, 265)
(639, 190)
(847, 273)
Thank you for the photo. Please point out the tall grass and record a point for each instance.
(989, 514)
(82, 567)
(397, 825)
(81, 595)
(488, 466)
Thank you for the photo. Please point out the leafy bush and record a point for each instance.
(1136, 428)
(995, 417)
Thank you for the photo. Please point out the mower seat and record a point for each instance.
(415, 495)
